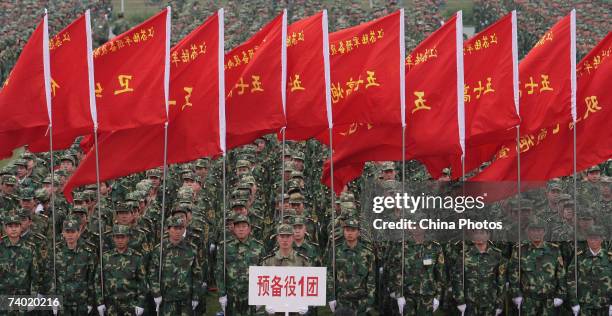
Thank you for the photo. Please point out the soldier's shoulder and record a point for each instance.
(303, 257)
(39, 236)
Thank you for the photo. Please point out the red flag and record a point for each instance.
(25, 97)
(70, 85)
(551, 154)
(491, 100)
(131, 78)
(366, 64)
(307, 65)
(434, 115)
(196, 114)
(255, 84)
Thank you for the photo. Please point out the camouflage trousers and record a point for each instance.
(73, 310)
(359, 306)
(478, 310)
(119, 309)
(538, 307)
(239, 306)
(179, 308)
(418, 305)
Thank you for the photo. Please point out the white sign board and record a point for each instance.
(287, 289)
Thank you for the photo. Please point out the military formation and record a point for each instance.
(126, 253)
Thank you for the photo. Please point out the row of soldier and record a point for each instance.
(134, 203)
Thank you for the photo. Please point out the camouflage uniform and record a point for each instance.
(124, 279)
(294, 259)
(19, 265)
(239, 256)
(594, 279)
(355, 276)
(542, 275)
(485, 278)
(8, 201)
(75, 275)
(181, 281)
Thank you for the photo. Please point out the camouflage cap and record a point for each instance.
(79, 196)
(587, 214)
(26, 194)
(299, 220)
(20, 162)
(525, 204)
(182, 208)
(121, 230)
(189, 175)
(536, 222)
(259, 140)
(24, 212)
(238, 203)
(202, 163)
(11, 219)
(594, 168)
(243, 186)
(347, 197)
(68, 157)
(351, 222)
(347, 205)
(280, 197)
(446, 171)
(596, 230)
(61, 173)
(242, 163)
(27, 155)
(284, 229)
(564, 197)
(248, 179)
(155, 173)
(298, 155)
(9, 179)
(47, 180)
(175, 221)
(41, 195)
(122, 207)
(555, 186)
(387, 165)
(296, 198)
(297, 174)
(239, 218)
(71, 224)
(79, 209)
(144, 185)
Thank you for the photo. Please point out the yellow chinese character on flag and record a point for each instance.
(124, 82)
(419, 103)
(256, 84)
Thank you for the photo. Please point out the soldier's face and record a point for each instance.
(30, 164)
(8, 188)
(121, 241)
(260, 146)
(21, 171)
(568, 213)
(242, 230)
(29, 203)
(594, 242)
(585, 223)
(553, 194)
(536, 234)
(351, 234)
(13, 230)
(298, 164)
(240, 210)
(202, 172)
(284, 241)
(155, 181)
(299, 231)
(175, 233)
(388, 174)
(480, 236)
(25, 223)
(242, 170)
(593, 176)
(104, 189)
(124, 218)
(71, 235)
(67, 165)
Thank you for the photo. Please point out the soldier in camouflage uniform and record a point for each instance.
(424, 274)
(303, 245)
(139, 239)
(594, 286)
(233, 275)
(75, 266)
(19, 265)
(8, 199)
(538, 286)
(355, 283)
(124, 277)
(181, 289)
(23, 178)
(485, 276)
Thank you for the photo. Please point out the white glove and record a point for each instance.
(576, 309)
(557, 302)
(436, 304)
(138, 310)
(194, 304)
(204, 286)
(401, 302)
(332, 306)
(270, 310)
(518, 301)
(223, 302)
(158, 301)
(89, 308)
(498, 312)
(39, 295)
(302, 310)
(461, 308)
(101, 309)
(610, 311)
(212, 248)
(56, 310)
(392, 295)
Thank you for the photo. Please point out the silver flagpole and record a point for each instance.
(163, 207)
(99, 210)
(52, 199)
(333, 202)
(283, 175)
